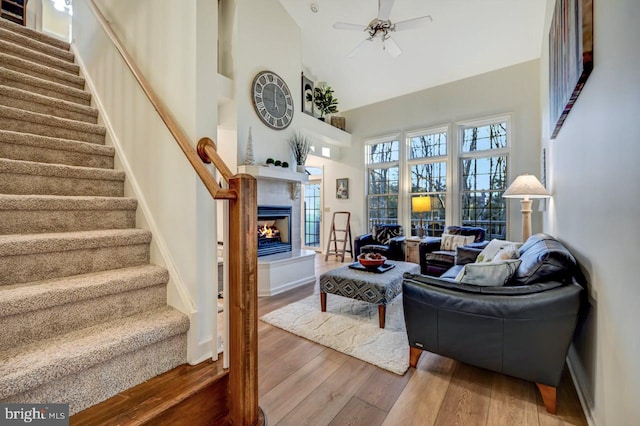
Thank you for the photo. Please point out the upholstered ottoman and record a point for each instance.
(377, 288)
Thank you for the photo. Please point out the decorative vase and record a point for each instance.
(300, 168)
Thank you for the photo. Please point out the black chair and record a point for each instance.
(434, 261)
(522, 329)
(386, 239)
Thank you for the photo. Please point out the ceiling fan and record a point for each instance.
(381, 28)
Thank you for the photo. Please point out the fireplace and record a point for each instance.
(274, 230)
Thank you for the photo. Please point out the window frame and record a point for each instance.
(396, 137)
(453, 160)
(446, 129)
(485, 153)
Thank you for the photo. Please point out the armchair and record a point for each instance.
(387, 240)
(522, 329)
(434, 261)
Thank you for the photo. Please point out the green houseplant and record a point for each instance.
(325, 102)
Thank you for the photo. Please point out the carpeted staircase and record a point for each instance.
(83, 315)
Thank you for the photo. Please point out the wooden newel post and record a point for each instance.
(243, 303)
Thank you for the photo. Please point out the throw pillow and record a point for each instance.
(492, 249)
(488, 274)
(507, 252)
(383, 234)
(449, 242)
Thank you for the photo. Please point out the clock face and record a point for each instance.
(272, 100)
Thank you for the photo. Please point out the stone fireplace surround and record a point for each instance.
(283, 271)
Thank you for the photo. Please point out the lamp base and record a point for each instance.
(525, 208)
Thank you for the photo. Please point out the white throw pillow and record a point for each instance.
(492, 249)
(507, 252)
(488, 274)
(449, 242)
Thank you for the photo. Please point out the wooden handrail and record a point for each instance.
(179, 135)
(243, 239)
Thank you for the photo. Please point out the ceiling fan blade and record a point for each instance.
(350, 27)
(391, 47)
(410, 24)
(359, 47)
(384, 9)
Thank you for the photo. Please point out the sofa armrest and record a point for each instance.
(396, 248)
(360, 241)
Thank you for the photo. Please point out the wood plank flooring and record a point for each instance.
(303, 383)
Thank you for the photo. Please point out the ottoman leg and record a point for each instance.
(323, 301)
(382, 311)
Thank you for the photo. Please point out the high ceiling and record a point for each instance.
(466, 38)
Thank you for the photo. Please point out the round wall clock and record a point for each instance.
(272, 100)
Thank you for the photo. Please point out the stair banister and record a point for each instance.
(243, 268)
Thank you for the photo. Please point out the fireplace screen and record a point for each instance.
(274, 229)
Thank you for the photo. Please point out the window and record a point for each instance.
(461, 173)
(428, 174)
(383, 181)
(483, 176)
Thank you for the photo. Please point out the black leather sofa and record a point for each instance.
(385, 239)
(434, 261)
(522, 329)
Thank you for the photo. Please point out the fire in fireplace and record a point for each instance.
(274, 229)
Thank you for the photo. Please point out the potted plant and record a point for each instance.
(325, 102)
(300, 147)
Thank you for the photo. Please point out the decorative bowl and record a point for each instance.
(371, 260)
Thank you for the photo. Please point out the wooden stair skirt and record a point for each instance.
(14, 11)
(187, 395)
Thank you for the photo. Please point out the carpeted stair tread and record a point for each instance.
(41, 58)
(29, 177)
(65, 202)
(45, 125)
(26, 244)
(36, 45)
(27, 297)
(30, 214)
(36, 70)
(25, 141)
(59, 170)
(33, 34)
(16, 98)
(34, 364)
(44, 87)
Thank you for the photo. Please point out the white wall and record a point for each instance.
(513, 90)
(594, 179)
(266, 38)
(175, 48)
(55, 22)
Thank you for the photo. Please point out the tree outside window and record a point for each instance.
(383, 175)
(484, 178)
(428, 173)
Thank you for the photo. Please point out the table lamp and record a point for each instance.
(421, 205)
(526, 187)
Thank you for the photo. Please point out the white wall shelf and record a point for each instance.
(273, 173)
(323, 131)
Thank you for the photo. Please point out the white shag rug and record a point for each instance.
(351, 327)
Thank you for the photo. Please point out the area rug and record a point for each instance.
(349, 326)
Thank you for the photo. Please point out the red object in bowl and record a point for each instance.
(371, 263)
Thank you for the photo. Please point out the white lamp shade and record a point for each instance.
(526, 186)
(421, 204)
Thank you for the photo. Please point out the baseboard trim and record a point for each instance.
(286, 287)
(581, 389)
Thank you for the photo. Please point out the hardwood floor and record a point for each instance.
(304, 383)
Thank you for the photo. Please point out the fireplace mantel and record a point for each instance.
(273, 173)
